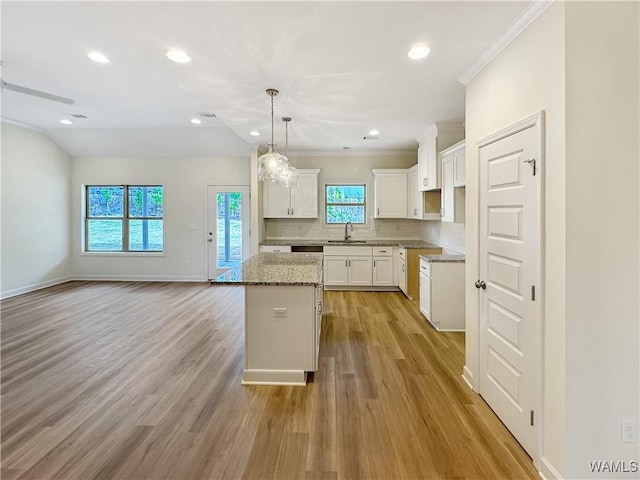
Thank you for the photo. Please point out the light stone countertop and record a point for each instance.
(287, 269)
(444, 257)
(367, 243)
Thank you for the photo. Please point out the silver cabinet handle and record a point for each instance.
(377, 211)
(345, 263)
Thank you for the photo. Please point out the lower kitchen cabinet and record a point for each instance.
(408, 270)
(359, 266)
(383, 271)
(442, 294)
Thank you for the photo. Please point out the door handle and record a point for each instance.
(209, 240)
(481, 284)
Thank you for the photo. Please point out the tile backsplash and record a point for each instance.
(316, 229)
(449, 236)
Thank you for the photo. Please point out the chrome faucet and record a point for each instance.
(346, 235)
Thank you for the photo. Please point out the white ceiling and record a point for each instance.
(341, 69)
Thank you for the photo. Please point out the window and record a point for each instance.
(345, 203)
(124, 218)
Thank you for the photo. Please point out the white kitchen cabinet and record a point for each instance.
(452, 196)
(390, 193)
(421, 205)
(459, 166)
(402, 270)
(348, 266)
(442, 294)
(300, 201)
(383, 266)
(436, 138)
(282, 333)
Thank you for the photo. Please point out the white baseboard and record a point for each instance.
(137, 278)
(547, 471)
(35, 286)
(103, 278)
(274, 377)
(467, 376)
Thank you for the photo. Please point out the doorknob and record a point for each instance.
(480, 284)
(209, 240)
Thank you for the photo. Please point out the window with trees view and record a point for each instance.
(345, 203)
(124, 218)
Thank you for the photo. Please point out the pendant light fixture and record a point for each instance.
(272, 165)
(290, 177)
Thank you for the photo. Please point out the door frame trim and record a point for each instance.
(536, 121)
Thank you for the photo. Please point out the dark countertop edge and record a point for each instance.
(409, 244)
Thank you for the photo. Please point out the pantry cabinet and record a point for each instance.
(300, 201)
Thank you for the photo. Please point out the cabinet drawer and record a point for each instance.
(425, 267)
(275, 249)
(382, 251)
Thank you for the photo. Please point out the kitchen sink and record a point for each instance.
(347, 241)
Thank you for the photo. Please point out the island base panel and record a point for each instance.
(274, 377)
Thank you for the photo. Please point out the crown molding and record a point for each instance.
(350, 153)
(516, 29)
(21, 125)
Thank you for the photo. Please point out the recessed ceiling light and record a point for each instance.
(66, 121)
(98, 57)
(374, 132)
(419, 50)
(254, 133)
(196, 121)
(178, 56)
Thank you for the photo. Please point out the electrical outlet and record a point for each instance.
(629, 431)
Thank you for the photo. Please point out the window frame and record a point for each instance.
(364, 203)
(125, 219)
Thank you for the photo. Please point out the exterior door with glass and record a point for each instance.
(228, 223)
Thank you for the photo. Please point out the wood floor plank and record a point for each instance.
(134, 380)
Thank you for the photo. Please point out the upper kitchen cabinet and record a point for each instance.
(390, 193)
(300, 201)
(421, 205)
(435, 139)
(453, 197)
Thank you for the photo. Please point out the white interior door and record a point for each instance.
(510, 265)
(228, 222)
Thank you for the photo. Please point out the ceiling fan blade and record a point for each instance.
(36, 93)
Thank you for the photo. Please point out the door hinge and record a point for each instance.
(533, 292)
(531, 417)
(532, 162)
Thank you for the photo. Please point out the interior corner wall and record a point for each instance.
(36, 212)
(185, 181)
(602, 234)
(523, 79)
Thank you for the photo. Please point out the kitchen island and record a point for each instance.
(283, 316)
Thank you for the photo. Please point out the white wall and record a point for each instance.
(347, 168)
(602, 233)
(526, 77)
(36, 212)
(185, 181)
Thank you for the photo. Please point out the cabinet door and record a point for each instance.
(459, 168)
(425, 296)
(390, 194)
(335, 270)
(448, 211)
(413, 194)
(359, 272)
(423, 168)
(277, 200)
(402, 276)
(383, 271)
(304, 197)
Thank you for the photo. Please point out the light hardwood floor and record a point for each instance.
(142, 381)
